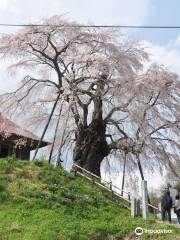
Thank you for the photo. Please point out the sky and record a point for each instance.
(163, 45)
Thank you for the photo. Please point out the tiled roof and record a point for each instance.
(9, 127)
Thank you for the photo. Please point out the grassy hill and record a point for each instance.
(39, 202)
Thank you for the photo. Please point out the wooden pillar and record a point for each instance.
(9, 150)
(47, 125)
(141, 173)
(155, 213)
(93, 181)
(112, 194)
(75, 172)
(160, 211)
(129, 196)
(133, 207)
(124, 169)
(55, 134)
(138, 207)
(144, 199)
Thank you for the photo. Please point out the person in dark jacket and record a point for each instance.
(166, 205)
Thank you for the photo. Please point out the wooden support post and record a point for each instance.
(93, 182)
(133, 207)
(138, 207)
(111, 190)
(141, 173)
(140, 169)
(129, 196)
(124, 169)
(160, 210)
(155, 213)
(55, 133)
(144, 199)
(58, 161)
(75, 172)
(46, 126)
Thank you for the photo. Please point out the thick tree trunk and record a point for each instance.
(91, 146)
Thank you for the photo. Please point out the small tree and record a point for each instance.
(115, 106)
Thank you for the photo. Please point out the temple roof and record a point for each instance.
(9, 127)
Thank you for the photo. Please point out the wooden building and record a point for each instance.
(14, 139)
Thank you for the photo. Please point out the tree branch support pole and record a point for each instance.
(55, 134)
(58, 162)
(46, 126)
(141, 173)
(140, 168)
(124, 169)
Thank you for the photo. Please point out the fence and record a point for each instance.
(115, 191)
(108, 186)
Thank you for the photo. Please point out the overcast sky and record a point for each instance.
(164, 45)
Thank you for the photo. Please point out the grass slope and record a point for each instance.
(39, 202)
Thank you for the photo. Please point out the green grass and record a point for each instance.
(40, 202)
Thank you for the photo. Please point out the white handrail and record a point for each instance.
(115, 193)
(102, 180)
(86, 171)
(110, 183)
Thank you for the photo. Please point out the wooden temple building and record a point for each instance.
(16, 140)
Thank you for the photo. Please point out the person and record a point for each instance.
(166, 205)
(177, 208)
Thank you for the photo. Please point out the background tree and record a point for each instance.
(155, 197)
(114, 106)
(172, 179)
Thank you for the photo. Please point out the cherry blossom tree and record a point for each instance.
(114, 105)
